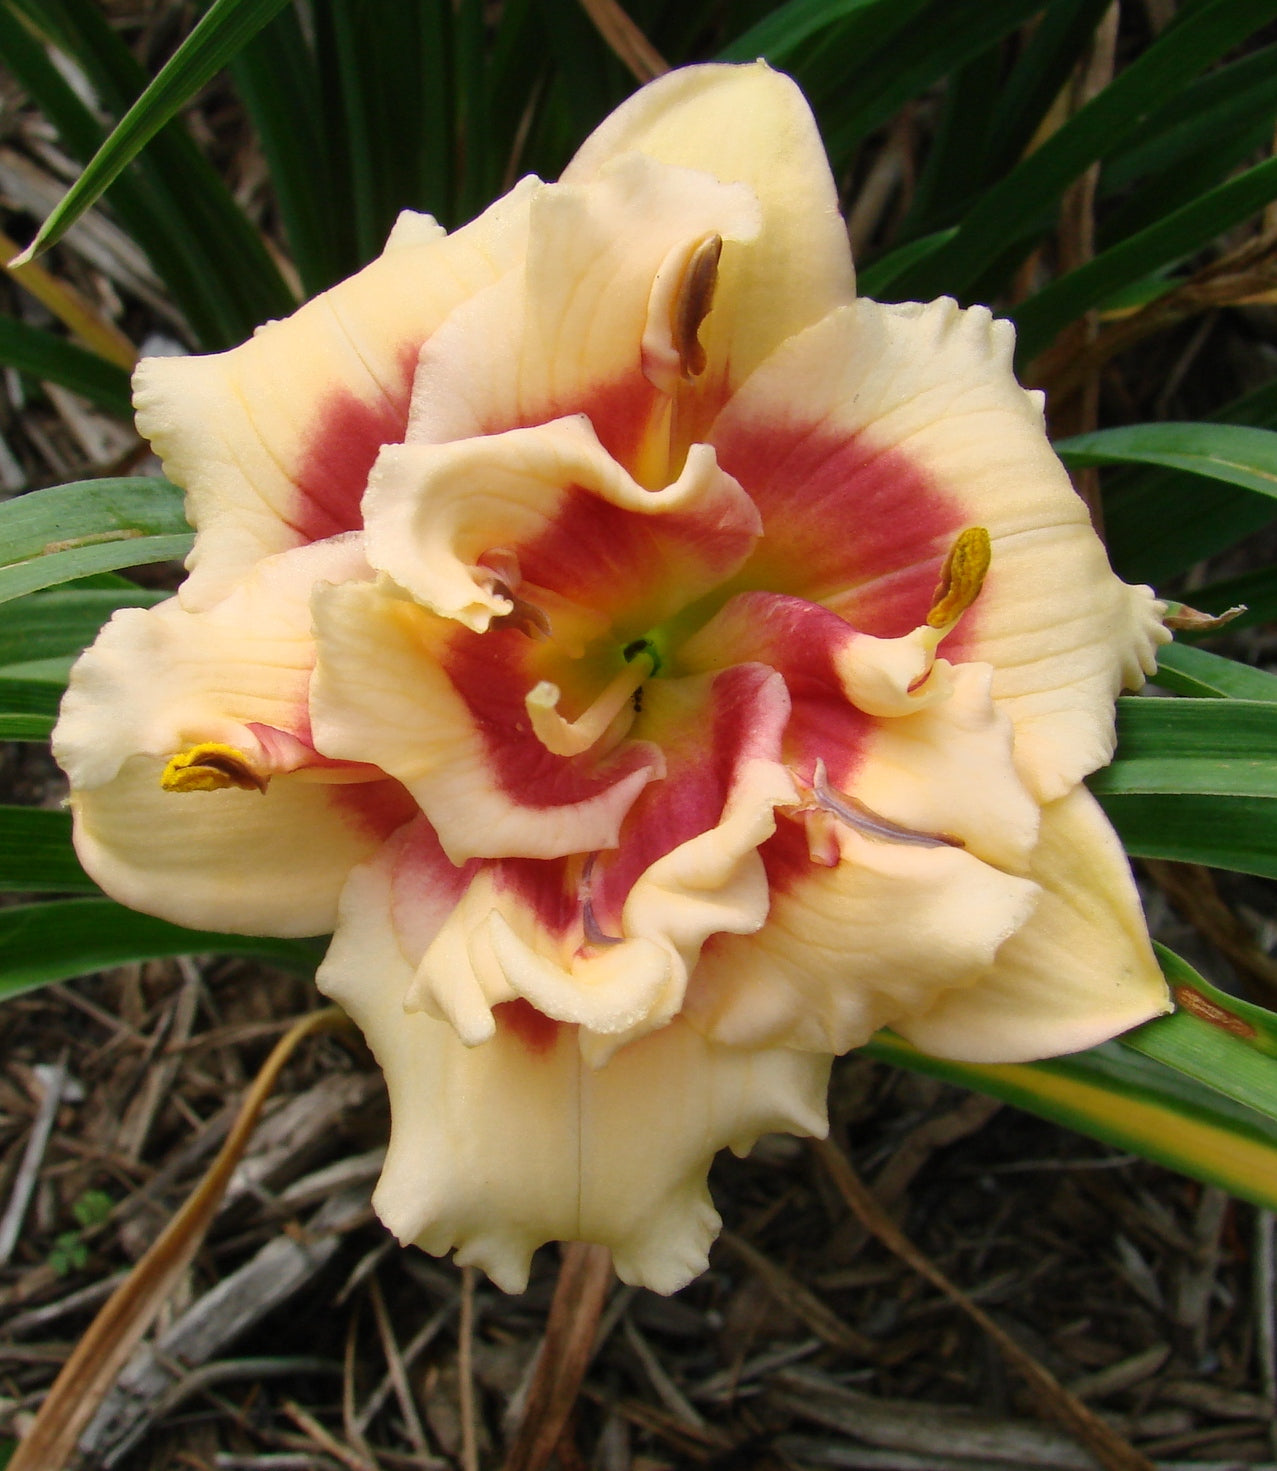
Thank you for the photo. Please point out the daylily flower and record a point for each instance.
(661, 668)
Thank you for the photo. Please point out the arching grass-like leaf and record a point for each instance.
(220, 33)
(988, 122)
(48, 625)
(1160, 523)
(1196, 781)
(1032, 189)
(1166, 242)
(1235, 453)
(778, 36)
(28, 708)
(941, 37)
(1189, 144)
(36, 855)
(1130, 1101)
(42, 355)
(63, 938)
(52, 536)
(1221, 1041)
(1185, 670)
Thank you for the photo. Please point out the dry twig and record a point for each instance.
(584, 1279)
(1106, 1445)
(100, 1354)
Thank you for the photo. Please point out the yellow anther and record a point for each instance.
(962, 578)
(692, 303)
(210, 766)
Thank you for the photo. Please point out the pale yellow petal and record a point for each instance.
(551, 499)
(1081, 969)
(495, 946)
(565, 333)
(875, 439)
(161, 679)
(247, 862)
(851, 948)
(272, 441)
(498, 1148)
(751, 125)
(949, 768)
(383, 694)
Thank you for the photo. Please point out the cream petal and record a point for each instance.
(751, 125)
(532, 931)
(246, 862)
(869, 443)
(495, 947)
(501, 1147)
(566, 332)
(1080, 971)
(949, 768)
(871, 929)
(441, 709)
(273, 440)
(851, 948)
(572, 518)
(160, 679)
(879, 676)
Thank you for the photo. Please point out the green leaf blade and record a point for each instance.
(36, 854)
(65, 938)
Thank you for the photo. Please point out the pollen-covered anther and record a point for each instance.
(963, 576)
(570, 738)
(211, 766)
(692, 303)
(866, 821)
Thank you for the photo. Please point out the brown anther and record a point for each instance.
(524, 616)
(692, 303)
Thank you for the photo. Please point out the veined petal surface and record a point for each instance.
(566, 515)
(162, 678)
(498, 1148)
(873, 440)
(866, 926)
(443, 710)
(751, 125)
(565, 332)
(273, 441)
(1078, 972)
(245, 862)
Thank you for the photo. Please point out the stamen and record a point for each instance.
(594, 933)
(524, 616)
(503, 576)
(962, 578)
(867, 822)
(692, 302)
(211, 767)
(563, 738)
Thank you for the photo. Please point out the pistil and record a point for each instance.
(570, 738)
